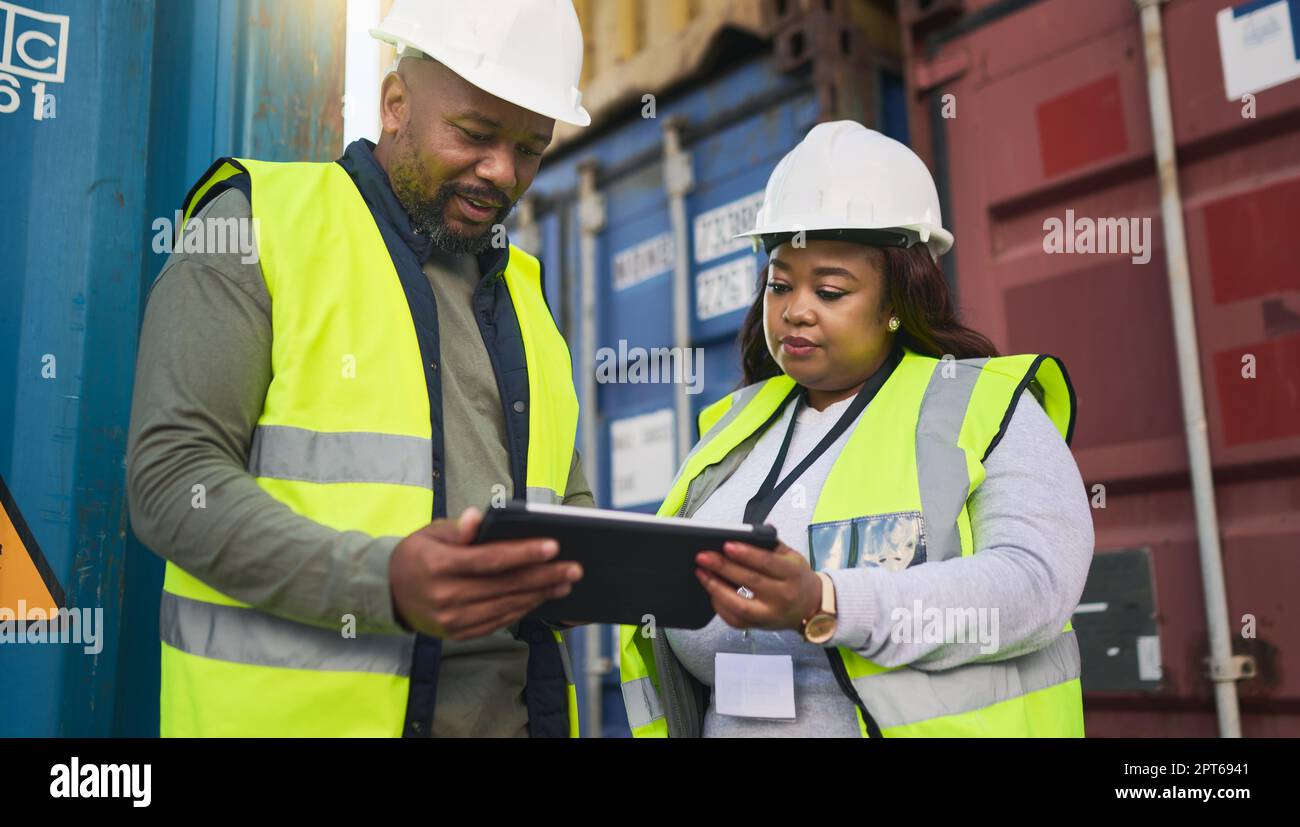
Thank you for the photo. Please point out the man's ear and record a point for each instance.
(394, 103)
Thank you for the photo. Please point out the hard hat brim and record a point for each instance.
(937, 239)
(539, 103)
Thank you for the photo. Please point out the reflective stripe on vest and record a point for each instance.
(241, 635)
(900, 697)
(637, 673)
(642, 703)
(943, 481)
(911, 462)
(344, 439)
(285, 453)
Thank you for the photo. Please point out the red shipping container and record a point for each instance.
(1033, 111)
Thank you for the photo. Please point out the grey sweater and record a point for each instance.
(1033, 534)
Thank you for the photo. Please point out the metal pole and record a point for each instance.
(591, 219)
(528, 234)
(1225, 670)
(678, 180)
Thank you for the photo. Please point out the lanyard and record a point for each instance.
(770, 492)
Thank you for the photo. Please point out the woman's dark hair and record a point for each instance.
(916, 287)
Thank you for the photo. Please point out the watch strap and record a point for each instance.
(828, 594)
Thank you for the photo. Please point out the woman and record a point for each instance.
(935, 534)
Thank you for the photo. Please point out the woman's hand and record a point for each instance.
(785, 588)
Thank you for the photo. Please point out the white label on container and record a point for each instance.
(725, 288)
(643, 457)
(714, 229)
(33, 44)
(1258, 48)
(645, 260)
(1148, 651)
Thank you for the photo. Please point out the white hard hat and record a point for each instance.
(528, 52)
(844, 177)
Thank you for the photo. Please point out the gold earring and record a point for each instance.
(894, 323)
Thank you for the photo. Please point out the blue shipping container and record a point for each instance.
(108, 113)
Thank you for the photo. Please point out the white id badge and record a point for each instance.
(753, 686)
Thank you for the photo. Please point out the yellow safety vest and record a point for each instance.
(913, 460)
(344, 438)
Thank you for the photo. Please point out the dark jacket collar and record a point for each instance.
(372, 181)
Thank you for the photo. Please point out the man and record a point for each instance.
(387, 360)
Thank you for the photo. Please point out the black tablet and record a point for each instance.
(633, 565)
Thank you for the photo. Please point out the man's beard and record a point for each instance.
(427, 214)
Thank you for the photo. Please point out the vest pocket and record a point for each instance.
(891, 541)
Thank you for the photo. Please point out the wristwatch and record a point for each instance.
(819, 627)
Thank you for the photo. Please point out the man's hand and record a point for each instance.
(445, 587)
